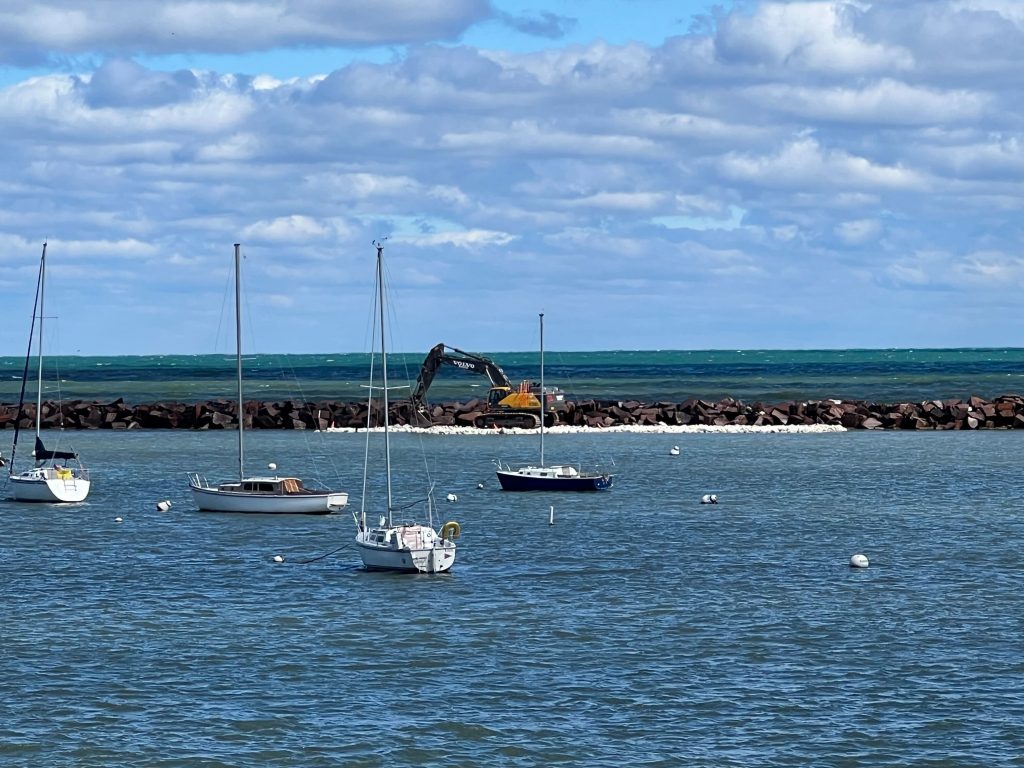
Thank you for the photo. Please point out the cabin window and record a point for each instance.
(258, 487)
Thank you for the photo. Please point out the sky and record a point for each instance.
(650, 174)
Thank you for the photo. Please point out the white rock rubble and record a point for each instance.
(658, 429)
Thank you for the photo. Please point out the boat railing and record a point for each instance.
(197, 480)
(70, 475)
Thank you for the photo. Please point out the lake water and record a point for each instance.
(884, 375)
(641, 629)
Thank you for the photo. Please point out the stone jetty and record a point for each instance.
(973, 413)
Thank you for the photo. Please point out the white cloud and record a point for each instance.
(881, 102)
(804, 163)
(31, 30)
(988, 269)
(810, 36)
(878, 142)
(467, 239)
(293, 229)
(619, 201)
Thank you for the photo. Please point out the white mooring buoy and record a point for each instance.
(118, 520)
(859, 561)
(163, 506)
(673, 451)
(278, 559)
(709, 498)
(551, 516)
(480, 486)
(452, 497)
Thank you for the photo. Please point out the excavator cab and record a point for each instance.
(496, 395)
(523, 398)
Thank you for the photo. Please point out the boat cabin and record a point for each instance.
(277, 486)
(556, 471)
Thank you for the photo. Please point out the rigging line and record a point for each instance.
(28, 354)
(289, 382)
(321, 557)
(298, 393)
(394, 323)
(56, 372)
(227, 290)
(369, 400)
(412, 504)
(570, 395)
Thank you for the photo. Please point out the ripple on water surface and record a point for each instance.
(642, 628)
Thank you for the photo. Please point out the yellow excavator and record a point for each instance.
(506, 406)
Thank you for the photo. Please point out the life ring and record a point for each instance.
(451, 530)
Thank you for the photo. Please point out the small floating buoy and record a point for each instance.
(551, 516)
(271, 466)
(118, 520)
(859, 561)
(480, 486)
(673, 451)
(452, 497)
(163, 506)
(709, 498)
(278, 559)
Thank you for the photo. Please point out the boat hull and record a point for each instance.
(519, 480)
(390, 550)
(310, 503)
(37, 487)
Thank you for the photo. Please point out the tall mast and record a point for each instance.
(28, 359)
(542, 396)
(39, 383)
(238, 358)
(384, 372)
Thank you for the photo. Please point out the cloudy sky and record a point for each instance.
(649, 173)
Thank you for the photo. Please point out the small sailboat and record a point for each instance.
(404, 547)
(271, 494)
(57, 476)
(555, 477)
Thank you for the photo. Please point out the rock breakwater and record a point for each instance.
(973, 413)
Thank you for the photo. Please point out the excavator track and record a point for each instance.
(515, 420)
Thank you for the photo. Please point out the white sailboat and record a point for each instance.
(266, 494)
(57, 476)
(554, 477)
(403, 547)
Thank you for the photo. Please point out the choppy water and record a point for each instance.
(887, 375)
(642, 628)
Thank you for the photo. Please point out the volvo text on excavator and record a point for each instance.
(507, 406)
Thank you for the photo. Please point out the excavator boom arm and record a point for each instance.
(441, 354)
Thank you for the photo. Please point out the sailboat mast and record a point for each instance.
(238, 358)
(24, 371)
(384, 373)
(39, 383)
(542, 396)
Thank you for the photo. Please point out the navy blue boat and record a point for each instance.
(556, 477)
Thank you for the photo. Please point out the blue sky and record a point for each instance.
(654, 174)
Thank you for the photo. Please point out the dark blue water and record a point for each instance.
(642, 628)
(893, 375)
